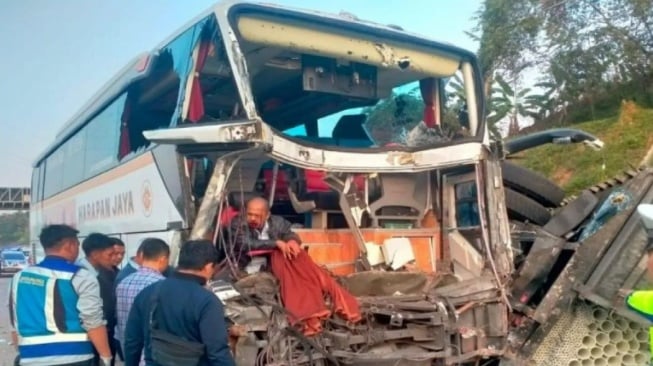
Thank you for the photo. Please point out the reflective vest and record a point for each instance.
(46, 317)
(642, 303)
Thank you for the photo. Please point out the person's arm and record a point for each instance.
(89, 305)
(239, 233)
(284, 228)
(213, 332)
(134, 341)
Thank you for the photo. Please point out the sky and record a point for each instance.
(57, 54)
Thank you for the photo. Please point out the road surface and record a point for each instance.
(7, 350)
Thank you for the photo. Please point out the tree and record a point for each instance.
(14, 228)
(510, 102)
(507, 31)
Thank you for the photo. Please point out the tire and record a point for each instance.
(522, 208)
(531, 184)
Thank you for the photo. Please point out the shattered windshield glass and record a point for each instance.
(396, 120)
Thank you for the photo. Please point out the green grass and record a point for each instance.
(627, 138)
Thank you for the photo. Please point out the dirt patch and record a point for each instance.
(627, 113)
(562, 176)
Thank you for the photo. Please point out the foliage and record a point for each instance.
(506, 31)
(627, 139)
(14, 228)
(592, 54)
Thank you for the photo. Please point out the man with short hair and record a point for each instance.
(259, 230)
(99, 251)
(185, 308)
(118, 253)
(155, 254)
(55, 306)
(292, 266)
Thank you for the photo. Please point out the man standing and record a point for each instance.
(258, 230)
(132, 266)
(155, 254)
(118, 253)
(183, 308)
(99, 260)
(55, 306)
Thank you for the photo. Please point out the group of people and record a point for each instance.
(88, 312)
(74, 312)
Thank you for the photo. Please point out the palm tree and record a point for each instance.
(509, 102)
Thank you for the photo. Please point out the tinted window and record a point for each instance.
(35, 185)
(54, 173)
(102, 136)
(74, 153)
(467, 205)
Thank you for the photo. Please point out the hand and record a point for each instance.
(237, 330)
(285, 249)
(295, 249)
(105, 361)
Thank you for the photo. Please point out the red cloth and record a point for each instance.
(303, 287)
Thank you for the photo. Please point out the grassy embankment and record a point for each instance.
(627, 137)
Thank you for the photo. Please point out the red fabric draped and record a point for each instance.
(428, 89)
(196, 106)
(303, 287)
(124, 147)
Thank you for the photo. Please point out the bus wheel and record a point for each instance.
(531, 184)
(522, 208)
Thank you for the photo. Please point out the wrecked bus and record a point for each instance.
(373, 142)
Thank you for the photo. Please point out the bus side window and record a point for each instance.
(467, 214)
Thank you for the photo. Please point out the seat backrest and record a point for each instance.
(315, 181)
(281, 189)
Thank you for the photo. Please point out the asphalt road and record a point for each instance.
(7, 350)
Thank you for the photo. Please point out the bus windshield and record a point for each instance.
(370, 92)
(395, 120)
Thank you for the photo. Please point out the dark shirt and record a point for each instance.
(245, 238)
(106, 279)
(188, 310)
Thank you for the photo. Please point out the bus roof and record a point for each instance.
(128, 74)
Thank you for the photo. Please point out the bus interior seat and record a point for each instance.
(312, 192)
(398, 193)
(281, 188)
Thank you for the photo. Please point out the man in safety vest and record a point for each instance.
(55, 306)
(641, 301)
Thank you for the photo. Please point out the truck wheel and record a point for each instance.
(531, 184)
(522, 208)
